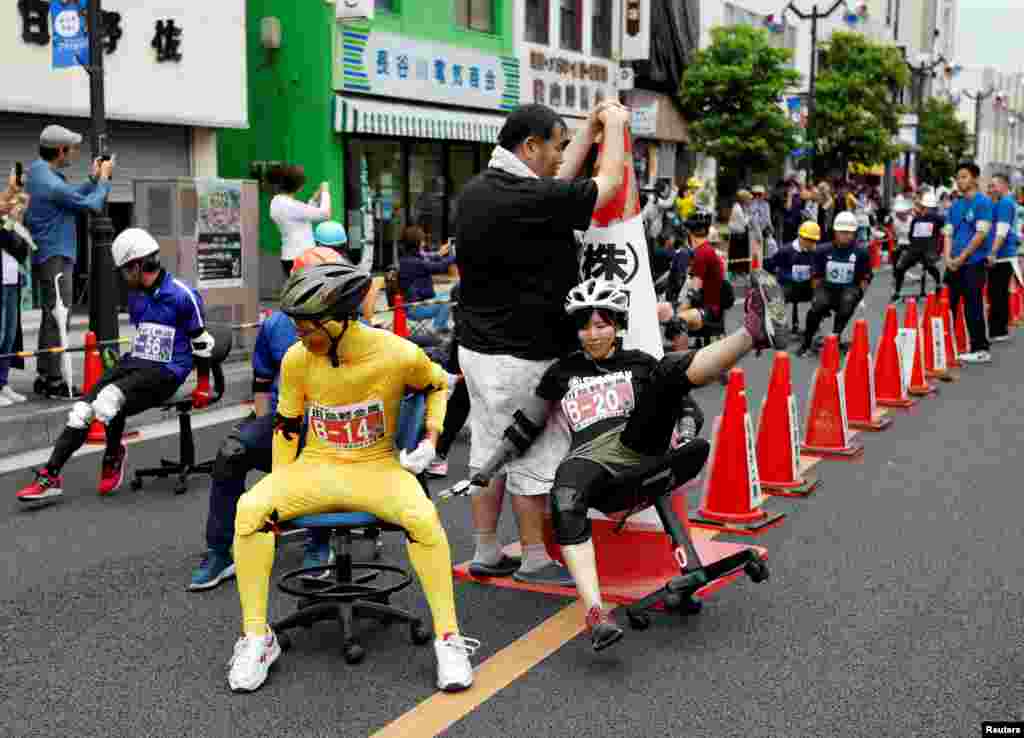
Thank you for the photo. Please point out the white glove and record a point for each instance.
(418, 460)
(202, 345)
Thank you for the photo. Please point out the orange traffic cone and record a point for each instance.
(952, 355)
(858, 382)
(400, 326)
(91, 375)
(828, 429)
(732, 492)
(888, 371)
(1016, 307)
(961, 330)
(778, 437)
(919, 386)
(935, 365)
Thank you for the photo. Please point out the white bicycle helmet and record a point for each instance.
(133, 244)
(597, 294)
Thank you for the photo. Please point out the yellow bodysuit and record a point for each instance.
(348, 463)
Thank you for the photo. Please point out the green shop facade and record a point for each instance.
(397, 113)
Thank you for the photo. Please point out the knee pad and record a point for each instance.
(423, 525)
(232, 460)
(569, 516)
(81, 415)
(108, 403)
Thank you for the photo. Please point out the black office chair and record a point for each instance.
(181, 402)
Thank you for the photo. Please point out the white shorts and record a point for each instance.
(499, 385)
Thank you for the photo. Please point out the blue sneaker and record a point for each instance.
(215, 568)
(318, 554)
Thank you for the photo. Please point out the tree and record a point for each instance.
(856, 119)
(943, 141)
(731, 96)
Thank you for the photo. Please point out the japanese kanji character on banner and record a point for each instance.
(614, 248)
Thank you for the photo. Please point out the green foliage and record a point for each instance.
(856, 119)
(943, 139)
(731, 96)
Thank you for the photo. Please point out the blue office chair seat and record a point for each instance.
(346, 595)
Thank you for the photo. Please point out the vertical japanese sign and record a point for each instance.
(70, 35)
(636, 29)
(219, 234)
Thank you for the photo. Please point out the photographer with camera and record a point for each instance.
(51, 219)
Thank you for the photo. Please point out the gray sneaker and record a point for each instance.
(765, 309)
(553, 574)
(976, 357)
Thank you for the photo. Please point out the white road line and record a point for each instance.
(30, 459)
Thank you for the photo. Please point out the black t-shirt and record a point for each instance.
(926, 232)
(846, 266)
(517, 262)
(597, 396)
(791, 264)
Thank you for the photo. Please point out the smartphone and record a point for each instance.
(19, 174)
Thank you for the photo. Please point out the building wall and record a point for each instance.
(434, 20)
(290, 108)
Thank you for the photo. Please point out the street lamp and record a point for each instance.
(979, 98)
(919, 72)
(814, 16)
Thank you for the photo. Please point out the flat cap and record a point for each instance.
(59, 136)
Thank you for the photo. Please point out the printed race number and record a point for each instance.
(839, 272)
(801, 272)
(349, 426)
(597, 401)
(154, 342)
(924, 229)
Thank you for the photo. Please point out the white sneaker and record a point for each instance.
(976, 357)
(454, 672)
(251, 662)
(1000, 339)
(11, 395)
(5, 401)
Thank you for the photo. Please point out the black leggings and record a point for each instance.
(999, 277)
(455, 417)
(795, 293)
(842, 301)
(908, 258)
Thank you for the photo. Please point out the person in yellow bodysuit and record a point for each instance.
(350, 378)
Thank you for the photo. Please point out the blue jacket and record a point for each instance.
(415, 276)
(50, 217)
(276, 336)
(166, 317)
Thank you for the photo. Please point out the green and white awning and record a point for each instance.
(355, 115)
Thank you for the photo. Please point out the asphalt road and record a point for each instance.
(894, 608)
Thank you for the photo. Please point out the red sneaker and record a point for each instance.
(604, 631)
(113, 472)
(45, 487)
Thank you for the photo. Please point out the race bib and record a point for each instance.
(801, 272)
(840, 272)
(154, 342)
(924, 229)
(348, 426)
(599, 398)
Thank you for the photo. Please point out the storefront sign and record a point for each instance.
(70, 39)
(219, 234)
(643, 119)
(395, 66)
(570, 83)
(636, 25)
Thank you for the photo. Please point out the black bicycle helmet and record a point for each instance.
(325, 292)
(699, 221)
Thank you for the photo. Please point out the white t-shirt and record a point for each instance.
(295, 221)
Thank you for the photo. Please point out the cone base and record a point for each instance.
(853, 451)
(627, 578)
(897, 402)
(925, 390)
(700, 519)
(800, 488)
(879, 422)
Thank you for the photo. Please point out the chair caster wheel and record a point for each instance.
(691, 606)
(136, 484)
(180, 488)
(638, 621)
(673, 601)
(354, 653)
(284, 641)
(756, 570)
(420, 633)
(378, 548)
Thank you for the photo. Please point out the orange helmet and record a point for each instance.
(316, 255)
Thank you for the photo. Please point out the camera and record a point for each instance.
(19, 174)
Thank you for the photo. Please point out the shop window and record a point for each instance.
(601, 33)
(374, 197)
(476, 15)
(537, 21)
(428, 191)
(571, 24)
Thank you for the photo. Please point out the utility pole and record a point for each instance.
(103, 287)
(918, 74)
(813, 17)
(978, 98)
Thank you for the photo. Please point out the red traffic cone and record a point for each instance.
(888, 370)
(400, 326)
(935, 365)
(828, 429)
(732, 492)
(961, 330)
(1016, 307)
(778, 437)
(919, 386)
(952, 355)
(91, 375)
(859, 384)
(876, 255)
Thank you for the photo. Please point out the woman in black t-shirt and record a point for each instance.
(624, 408)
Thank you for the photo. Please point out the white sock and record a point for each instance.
(535, 556)
(487, 549)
